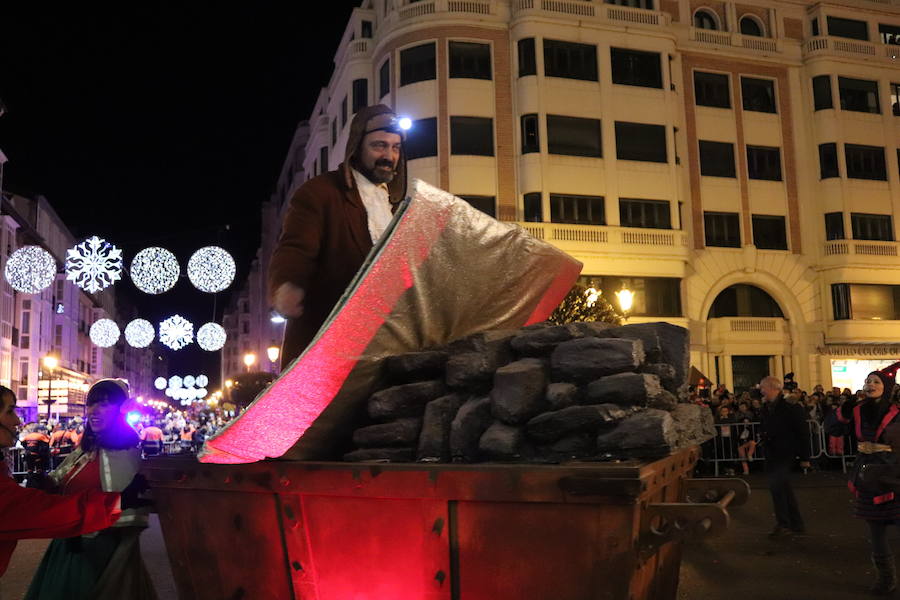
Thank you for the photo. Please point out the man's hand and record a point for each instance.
(288, 300)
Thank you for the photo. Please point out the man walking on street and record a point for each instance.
(786, 437)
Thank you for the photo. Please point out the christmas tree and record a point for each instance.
(584, 304)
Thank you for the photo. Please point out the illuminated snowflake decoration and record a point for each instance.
(176, 332)
(188, 381)
(202, 381)
(104, 333)
(211, 337)
(211, 269)
(160, 383)
(155, 270)
(94, 264)
(175, 382)
(184, 390)
(30, 270)
(139, 333)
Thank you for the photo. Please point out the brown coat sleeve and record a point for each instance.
(295, 256)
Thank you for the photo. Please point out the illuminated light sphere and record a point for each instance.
(211, 269)
(169, 392)
(104, 333)
(201, 393)
(188, 381)
(176, 332)
(155, 270)
(202, 381)
(405, 123)
(94, 264)
(175, 382)
(160, 383)
(211, 337)
(133, 417)
(30, 270)
(139, 333)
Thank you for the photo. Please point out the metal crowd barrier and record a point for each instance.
(738, 443)
(15, 458)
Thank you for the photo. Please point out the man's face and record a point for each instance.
(379, 154)
(769, 391)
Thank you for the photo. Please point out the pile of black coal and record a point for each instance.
(544, 393)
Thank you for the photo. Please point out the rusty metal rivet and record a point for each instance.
(284, 481)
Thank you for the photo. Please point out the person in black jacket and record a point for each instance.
(785, 438)
(875, 420)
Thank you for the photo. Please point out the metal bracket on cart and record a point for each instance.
(705, 513)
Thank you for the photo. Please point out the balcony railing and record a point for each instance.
(733, 40)
(860, 248)
(746, 329)
(615, 239)
(581, 9)
(413, 10)
(832, 46)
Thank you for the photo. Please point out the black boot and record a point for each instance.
(885, 575)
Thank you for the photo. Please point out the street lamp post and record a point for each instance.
(50, 362)
(273, 352)
(626, 300)
(249, 360)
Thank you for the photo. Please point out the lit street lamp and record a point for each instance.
(50, 362)
(249, 360)
(273, 352)
(626, 300)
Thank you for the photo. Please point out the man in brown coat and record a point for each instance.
(331, 224)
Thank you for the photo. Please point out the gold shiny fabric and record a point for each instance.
(872, 448)
(443, 270)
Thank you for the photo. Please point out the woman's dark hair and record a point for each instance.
(118, 435)
(4, 391)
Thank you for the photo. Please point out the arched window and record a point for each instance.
(750, 26)
(705, 19)
(744, 300)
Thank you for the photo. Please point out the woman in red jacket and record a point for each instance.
(29, 513)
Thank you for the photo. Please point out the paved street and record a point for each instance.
(828, 563)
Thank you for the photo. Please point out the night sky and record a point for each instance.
(162, 126)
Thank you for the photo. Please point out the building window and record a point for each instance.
(315, 167)
(750, 26)
(640, 141)
(417, 64)
(360, 94)
(366, 32)
(890, 34)
(26, 323)
(421, 139)
(472, 136)
(834, 226)
(847, 28)
(533, 211)
(384, 79)
(758, 94)
(570, 60)
(860, 301)
(814, 27)
(858, 95)
(344, 112)
(717, 159)
(530, 139)
(895, 99)
(57, 337)
(469, 60)
(333, 132)
(872, 227)
(705, 19)
(865, 162)
(828, 161)
(711, 89)
(764, 162)
(633, 67)
(654, 296)
(323, 158)
(23, 375)
(486, 204)
(246, 327)
(651, 214)
(578, 210)
(527, 61)
(769, 232)
(822, 92)
(573, 136)
(744, 300)
(722, 229)
(645, 4)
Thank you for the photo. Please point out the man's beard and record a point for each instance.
(379, 176)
